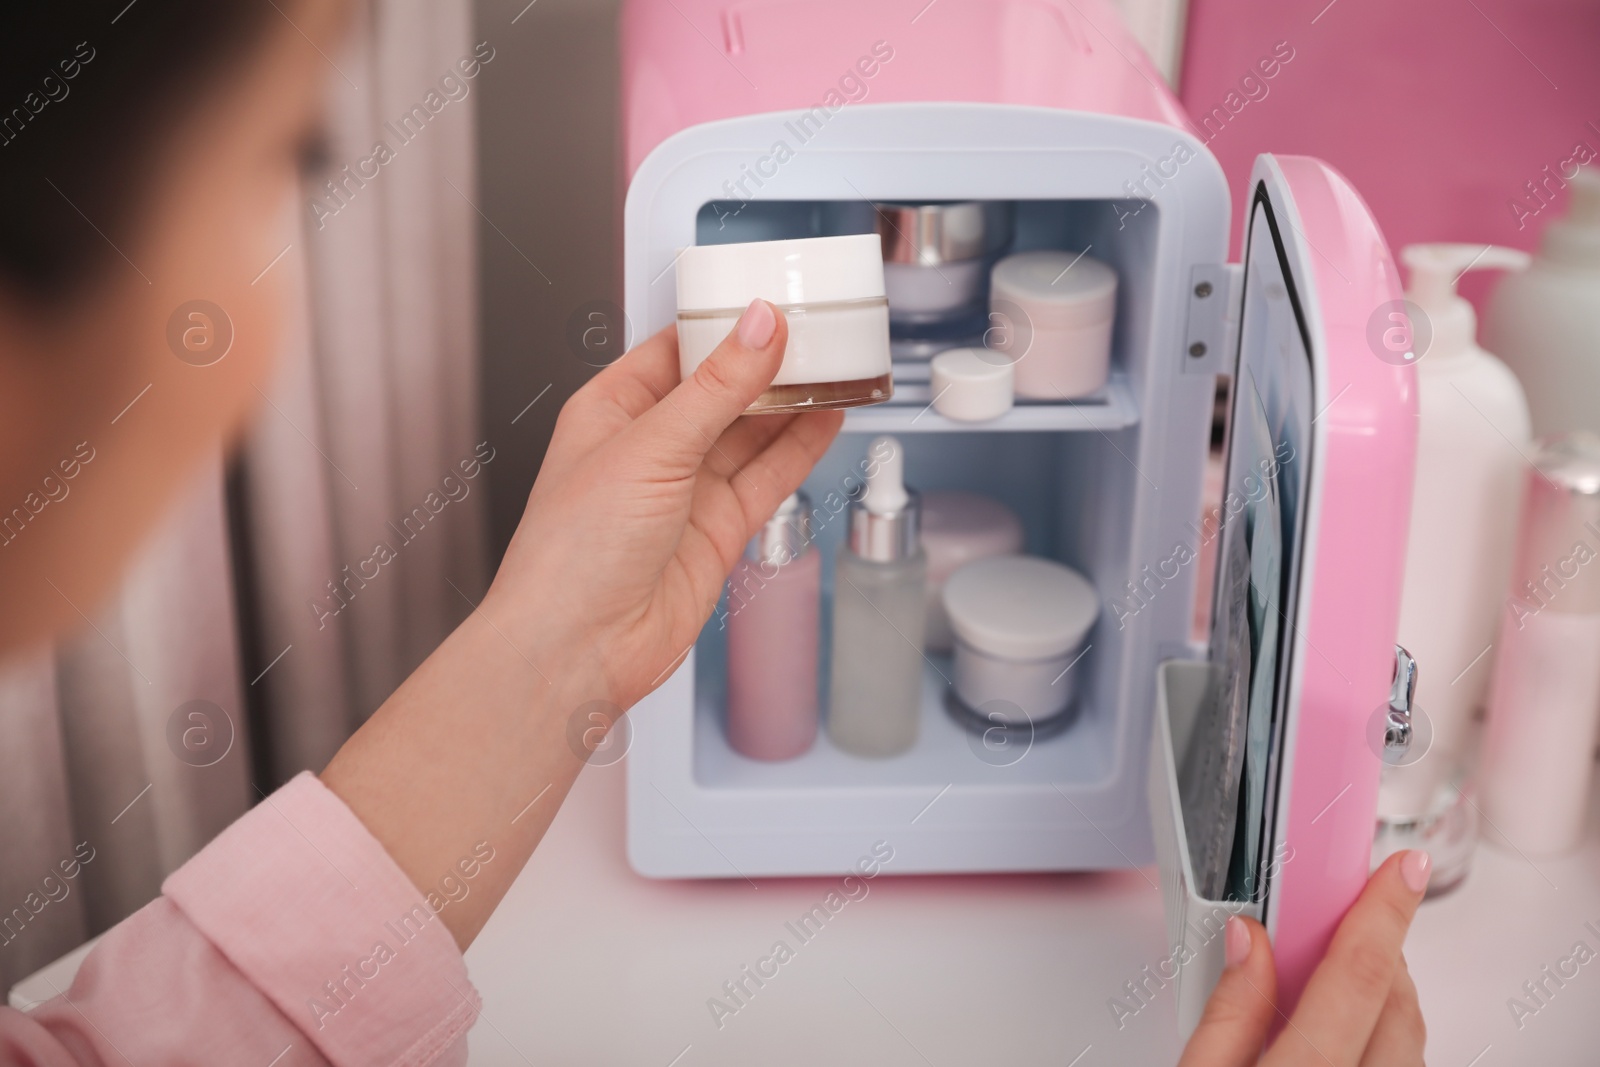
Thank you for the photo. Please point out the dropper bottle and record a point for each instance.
(879, 606)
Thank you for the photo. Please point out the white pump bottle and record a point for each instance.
(1473, 435)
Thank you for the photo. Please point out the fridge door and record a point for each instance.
(1263, 780)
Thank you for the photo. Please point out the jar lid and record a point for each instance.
(1020, 607)
(805, 270)
(1056, 288)
(959, 527)
(971, 384)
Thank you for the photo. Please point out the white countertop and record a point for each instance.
(587, 963)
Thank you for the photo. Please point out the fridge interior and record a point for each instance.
(1068, 469)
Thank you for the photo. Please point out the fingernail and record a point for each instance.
(1237, 941)
(757, 324)
(1414, 868)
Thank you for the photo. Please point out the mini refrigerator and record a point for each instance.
(762, 119)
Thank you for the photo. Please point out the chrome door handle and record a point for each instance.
(1397, 731)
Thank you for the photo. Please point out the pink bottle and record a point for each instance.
(774, 602)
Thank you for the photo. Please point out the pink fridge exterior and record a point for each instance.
(797, 86)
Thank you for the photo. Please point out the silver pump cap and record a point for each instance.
(786, 536)
(1558, 551)
(931, 234)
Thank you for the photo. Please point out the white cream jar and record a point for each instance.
(1020, 623)
(830, 289)
(1057, 309)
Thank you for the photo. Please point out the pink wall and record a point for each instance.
(1439, 111)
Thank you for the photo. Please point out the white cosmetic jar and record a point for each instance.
(1020, 623)
(830, 289)
(971, 384)
(936, 256)
(1057, 310)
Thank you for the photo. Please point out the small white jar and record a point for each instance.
(1020, 624)
(971, 384)
(830, 289)
(1057, 309)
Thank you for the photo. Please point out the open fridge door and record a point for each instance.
(1264, 773)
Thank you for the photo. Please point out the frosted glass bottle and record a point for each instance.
(878, 620)
(879, 615)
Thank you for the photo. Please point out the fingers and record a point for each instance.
(779, 468)
(1242, 1007)
(744, 441)
(616, 396)
(1340, 1008)
(1399, 1037)
(646, 373)
(685, 426)
(727, 512)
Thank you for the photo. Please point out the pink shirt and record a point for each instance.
(291, 939)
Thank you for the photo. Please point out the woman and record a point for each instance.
(147, 164)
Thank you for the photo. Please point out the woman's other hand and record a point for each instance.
(1360, 1007)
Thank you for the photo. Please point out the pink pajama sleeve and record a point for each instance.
(291, 939)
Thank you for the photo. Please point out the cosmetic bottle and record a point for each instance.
(1472, 435)
(1545, 321)
(878, 614)
(830, 289)
(959, 528)
(774, 605)
(1544, 702)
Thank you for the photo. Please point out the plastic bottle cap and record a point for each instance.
(971, 384)
(787, 535)
(1020, 607)
(806, 270)
(1435, 269)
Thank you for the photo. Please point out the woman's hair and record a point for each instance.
(86, 89)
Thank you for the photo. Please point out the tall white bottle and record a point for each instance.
(1545, 322)
(1472, 436)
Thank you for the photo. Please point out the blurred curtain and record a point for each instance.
(228, 662)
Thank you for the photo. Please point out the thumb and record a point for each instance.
(685, 425)
(1240, 1011)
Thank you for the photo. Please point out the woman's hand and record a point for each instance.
(649, 491)
(1360, 1007)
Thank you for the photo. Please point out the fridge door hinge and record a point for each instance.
(1212, 331)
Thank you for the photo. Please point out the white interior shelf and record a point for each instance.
(911, 411)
